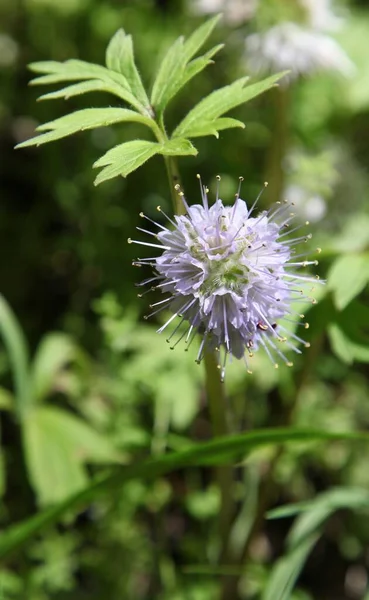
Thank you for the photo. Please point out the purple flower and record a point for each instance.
(230, 275)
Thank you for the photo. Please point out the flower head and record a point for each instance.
(227, 273)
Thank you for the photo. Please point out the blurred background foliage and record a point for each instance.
(108, 390)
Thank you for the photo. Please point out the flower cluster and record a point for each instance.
(230, 275)
(301, 47)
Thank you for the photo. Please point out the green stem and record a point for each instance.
(214, 386)
(218, 415)
(275, 171)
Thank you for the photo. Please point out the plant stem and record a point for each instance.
(214, 386)
(275, 170)
(218, 416)
(174, 179)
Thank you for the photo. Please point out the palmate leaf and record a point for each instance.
(220, 451)
(119, 58)
(204, 129)
(79, 70)
(126, 157)
(88, 118)
(176, 69)
(220, 102)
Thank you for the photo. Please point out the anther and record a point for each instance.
(289, 364)
(129, 241)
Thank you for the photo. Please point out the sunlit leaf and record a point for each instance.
(79, 70)
(125, 158)
(222, 101)
(57, 444)
(80, 120)
(199, 37)
(176, 68)
(178, 147)
(119, 58)
(168, 77)
(348, 277)
(211, 128)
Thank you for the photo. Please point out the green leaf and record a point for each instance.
(169, 75)
(194, 67)
(348, 277)
(287, 570)
(57, 445)
(220, 451)
(348, 333)
(305, 532)
(74, 70)
(175, 69)
(53, 354)
(324, 505)
(88, 118)
(212, 128)
(16, 346)
(125, 158)
(77, 89)
(119, 58)
(199, 37)
(178, 147)
(222, 101)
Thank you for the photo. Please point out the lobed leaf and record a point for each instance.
(74, 70)
(125, 158)
(77, 89)
(222, 101)
(219, 451)
(178, 147)
(88, 118)
(212, 128)
(176, 69)
(120, 58)
(170, 72)
(199, 37)
(196, 66)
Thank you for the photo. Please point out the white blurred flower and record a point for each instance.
(298, 49)
(321, 15)
(307, 205)
(234, 11)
